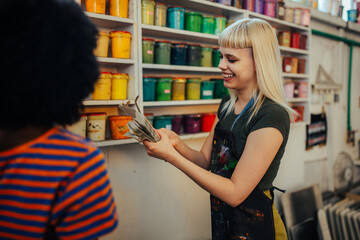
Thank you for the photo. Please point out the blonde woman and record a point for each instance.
(248, 139)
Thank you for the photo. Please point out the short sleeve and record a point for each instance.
(85, 208)
(271, 115)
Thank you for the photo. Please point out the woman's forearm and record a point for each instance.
(194, 156)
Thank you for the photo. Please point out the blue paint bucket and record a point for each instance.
(352, 15)
(163, 122)
(149, 86)
(176, 17)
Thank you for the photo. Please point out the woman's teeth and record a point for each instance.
(226, 75)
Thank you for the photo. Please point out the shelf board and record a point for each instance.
(294, 50)
(297, 99)
(178, 35)
(107, 21)
(106, 102)
(194, 135)
(327, 18)
(115, 60)
(353, 26)
(207, 7)
(298, 124)
(277, 22)
(108, 143)
(181, 103)
(295, 75)
(181, 68)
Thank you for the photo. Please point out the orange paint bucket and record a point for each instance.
(118, 126)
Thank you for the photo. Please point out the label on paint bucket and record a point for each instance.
(168, 126)
(167, 91)
(149, 52)
(207, 92)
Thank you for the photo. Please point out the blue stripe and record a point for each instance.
(90, 205)
(89, 169)
(26, 200)
(78, 189)
(59, 137)
(88, 227)
(29, 223)
(59, 147)
(39, 167)
(33, 177)
(41, 156)
(27, 188)
(23, 210)
(21, 232)
(103, 232)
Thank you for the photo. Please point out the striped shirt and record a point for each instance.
(58, 179)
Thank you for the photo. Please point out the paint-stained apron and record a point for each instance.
(253, 218)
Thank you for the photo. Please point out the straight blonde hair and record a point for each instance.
(258, 35)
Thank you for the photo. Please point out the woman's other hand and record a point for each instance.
(162, 149)
(173, 137)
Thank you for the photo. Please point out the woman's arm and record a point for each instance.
(200, 158)
(260, 149)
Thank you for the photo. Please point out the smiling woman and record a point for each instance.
(255, 116)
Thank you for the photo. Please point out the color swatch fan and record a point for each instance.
(343, 171)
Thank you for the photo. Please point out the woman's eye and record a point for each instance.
(231, 60)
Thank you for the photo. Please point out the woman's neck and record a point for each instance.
(10, 138)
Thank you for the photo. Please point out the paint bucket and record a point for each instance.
(160, 14)
(206, 57)
(193, 89)
(95, 126)
(163, 122)
(102, 87)
(302, 89)
(149, 87)
(102, 45)
(162, 52)
(178, 89)
(176, 17)
(118, 126)
(220, 24)
(177, 124)
(192, 123)
(119, 86)
(95, 6)
(119, 8)
(208, 25)
(295, 40)
(79, 127)
(193, 21)
(352, 14)
(148, 49)
(216, 56)
(207, 121)
(120, 44)
(147, 12)
(220, 90)
(207, 90)
(289, 88)
(163, 89)
(178, 54)
(193, 55)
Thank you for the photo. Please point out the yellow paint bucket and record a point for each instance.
(119, 86)
(95, 6)
(120, 44)
(102, 87)
(102, 45)
(119, 8)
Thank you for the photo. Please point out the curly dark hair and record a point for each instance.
(47, 62)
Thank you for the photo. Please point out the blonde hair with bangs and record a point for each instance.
(258, 35)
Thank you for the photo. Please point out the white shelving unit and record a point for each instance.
(137, 70)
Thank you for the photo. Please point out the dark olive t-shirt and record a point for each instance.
(270, 114)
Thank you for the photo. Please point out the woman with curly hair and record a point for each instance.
(53, 183)
(248, 139)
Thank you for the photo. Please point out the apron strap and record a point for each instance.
(248, 105)
(272, 192)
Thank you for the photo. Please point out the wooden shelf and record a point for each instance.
(181, 103)
(355, 27)
(106, 102)
(294, 50)
(115, 60)
(108, 143)
(327, 18)
(295, 75)
(107, 21)
(277, 22)
(180, 68)
(293, 100)
(178, 35)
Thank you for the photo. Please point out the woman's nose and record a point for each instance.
(222, 65)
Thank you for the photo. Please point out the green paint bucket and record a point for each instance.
(207, 90)
(208, 25)
(163, 89)
(206, 57)
(193, 21)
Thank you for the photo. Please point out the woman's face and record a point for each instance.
(237, 68)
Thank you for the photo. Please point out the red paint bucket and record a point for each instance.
(207, 121)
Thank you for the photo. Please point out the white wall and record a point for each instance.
(156, 201)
